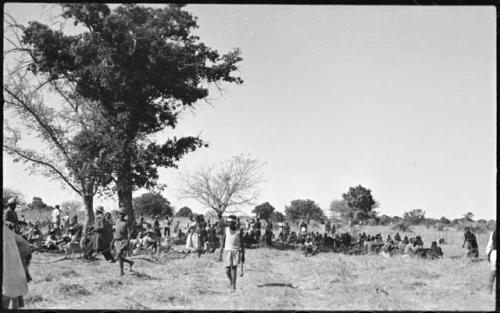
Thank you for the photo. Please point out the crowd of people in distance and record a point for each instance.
(200, 236)
(118, 239)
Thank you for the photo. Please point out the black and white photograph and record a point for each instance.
(218, 156)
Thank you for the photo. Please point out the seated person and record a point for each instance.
(147, 242)
(34, 234)
(389, 248)
(310, 247)
(435, 251)
(410, 249)
(51, 241)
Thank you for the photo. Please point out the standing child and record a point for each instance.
(234, 250)
(121, 240)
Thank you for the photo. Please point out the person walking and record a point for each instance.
(234, 250)
(121, 239)
(491, 251)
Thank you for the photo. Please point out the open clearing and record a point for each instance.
(273, 280)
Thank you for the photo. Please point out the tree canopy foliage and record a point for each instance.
(414, 217)
(8, 193)
(264, 210)
(304, 210)
(71, 205)
(357, 205)
(142, 66)
(184, 212)
(37, 204)
(152, 204)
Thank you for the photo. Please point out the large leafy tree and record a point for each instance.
(184, 212)
(152, 204)
(361, 203)
(143, 66)
(304, 210)
(341, 212)
(264, 210)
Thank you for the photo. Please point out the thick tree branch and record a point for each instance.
(41, 162)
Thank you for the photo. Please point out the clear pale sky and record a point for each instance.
(399, 99)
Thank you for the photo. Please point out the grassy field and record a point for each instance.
(327, 281)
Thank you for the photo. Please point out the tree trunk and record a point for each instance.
(124, 184)
(125, 201)
(88, 202)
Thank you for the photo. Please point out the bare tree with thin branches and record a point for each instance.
(226, 187)
(64, 126)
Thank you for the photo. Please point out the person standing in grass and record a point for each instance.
(491, 251)
(56, 219)
(471, 241)
(234, 249)
(121, 239)
(101, 240)
(166, 229)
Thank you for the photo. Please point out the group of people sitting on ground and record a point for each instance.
(205, 237)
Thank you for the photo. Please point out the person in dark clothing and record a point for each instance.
(10, 216)
(268, 236)
(121, 238)
(156, 227)
(168, 224)
(211, 239)
(328, 227)
(405, 240)
(221, 226)
(397, 238)
(471, 241)
(101, 240)
(435, 251)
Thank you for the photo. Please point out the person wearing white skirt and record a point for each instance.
(491, 251)
(14, 279)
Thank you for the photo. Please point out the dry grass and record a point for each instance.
(273, 280)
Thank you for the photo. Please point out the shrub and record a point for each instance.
(402, 226)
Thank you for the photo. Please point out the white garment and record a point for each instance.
(14, 282)
(232, 241)
(493, 255)
(189, 242)
(55, 215)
